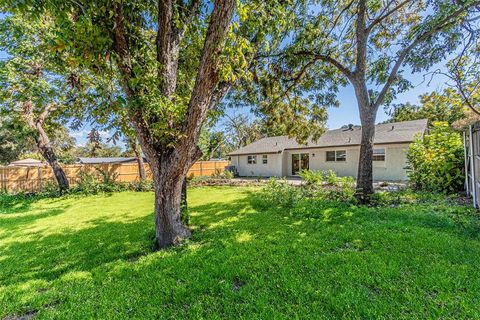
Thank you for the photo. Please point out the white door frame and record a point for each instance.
(299, 162)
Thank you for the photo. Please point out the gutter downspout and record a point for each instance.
(472, 166)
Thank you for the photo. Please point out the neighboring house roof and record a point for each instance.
(27, 163)
(396, 132)
(105, 160)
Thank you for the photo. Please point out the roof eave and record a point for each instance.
(253, 153)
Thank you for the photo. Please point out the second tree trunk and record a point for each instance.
(365, 163)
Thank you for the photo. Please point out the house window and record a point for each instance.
(251, 159)
(379, 154)
(330, 156)
(264, 159)
(337, 156)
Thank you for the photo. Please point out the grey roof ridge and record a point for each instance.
(404, 134)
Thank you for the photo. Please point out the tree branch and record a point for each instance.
(121, 47)
(326, 58)
(126, 73)
(361, 34)
(208, 72)
(169, 37)
(28, 114)
(168, 41)
(405, 52)
(300, 74)
(46, 111)
(335, 21)
(466, 99)
(384, 15)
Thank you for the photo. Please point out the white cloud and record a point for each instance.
(79, 134)
(104, 134)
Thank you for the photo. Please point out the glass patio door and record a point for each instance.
(300, 161)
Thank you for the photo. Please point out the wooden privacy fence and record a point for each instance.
(33, 179)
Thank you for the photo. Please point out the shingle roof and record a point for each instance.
(105, 160)
(396, 132)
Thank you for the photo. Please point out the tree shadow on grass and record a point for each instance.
(48, 257)
(12, 204)
(101, 242)
(22, 203)
(10, 226)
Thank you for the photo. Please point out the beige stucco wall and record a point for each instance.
(393, 168)
(280, 165)
(273, 168)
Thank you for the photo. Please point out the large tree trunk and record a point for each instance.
(168, 184)
(170, 165)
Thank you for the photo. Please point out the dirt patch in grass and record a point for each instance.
(26, 316)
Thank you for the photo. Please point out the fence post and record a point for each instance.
(466, 152)
(201, 168)
(472, 167)
(40, 186)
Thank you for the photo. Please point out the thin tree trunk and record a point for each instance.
(43, 144)
(365, 167)
(140, 163)
(141, 168)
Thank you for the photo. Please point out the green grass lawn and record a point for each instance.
(91, 257)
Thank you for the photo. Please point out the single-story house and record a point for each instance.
(27, 163)
(112, 160)
(336, 150)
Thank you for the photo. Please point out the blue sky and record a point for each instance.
(348, 110)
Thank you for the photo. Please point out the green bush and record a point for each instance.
(436, 161)
(343, 189)
(223, 175)
(279, 192)
(331, 177)
(327, 185)
(312, 177)
(103, 182)
(145, 185)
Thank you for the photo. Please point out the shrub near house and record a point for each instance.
(436, 160)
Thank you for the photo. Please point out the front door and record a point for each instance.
(300, 161)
